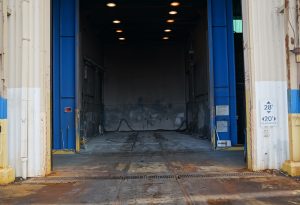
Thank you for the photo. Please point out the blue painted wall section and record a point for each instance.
(294, 101)
(3, 108)
(222, 60)
(64, 37)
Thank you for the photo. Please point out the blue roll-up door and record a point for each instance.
(222, 61)
(64, 21)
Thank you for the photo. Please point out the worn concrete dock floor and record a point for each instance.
(152, 168)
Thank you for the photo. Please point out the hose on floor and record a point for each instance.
(126, 123)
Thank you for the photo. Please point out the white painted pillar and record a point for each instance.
(29, 87)
(266, 83)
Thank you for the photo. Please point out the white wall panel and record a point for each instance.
(14, 129)
(266, 78)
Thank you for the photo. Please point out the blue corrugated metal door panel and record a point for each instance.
(222, 47)
(64, 74)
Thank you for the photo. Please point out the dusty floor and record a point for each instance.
(152, 168)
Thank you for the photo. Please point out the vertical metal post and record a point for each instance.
(248, 84)
(77, 75)
(211, 75)
(7, 174)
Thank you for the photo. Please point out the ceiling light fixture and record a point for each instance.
(168, 30)
(122, 39)
(119, 31)
(116, 21)
(173, 12)
(166, 38)
(170, 21)
(175, 3)
(111, 4)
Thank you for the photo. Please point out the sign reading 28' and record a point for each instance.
(268, 111)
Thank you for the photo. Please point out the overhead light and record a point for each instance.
(173, 12)
(170, 21)
(168, 30)
(175, 3)
(116, 21)
(111, 4)
(166, 38)
(119, 31)
(122, 39)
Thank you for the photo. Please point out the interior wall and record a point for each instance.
(91, 79)
(197, 75)
(144, 85)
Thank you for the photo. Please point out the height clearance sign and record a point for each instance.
(268, 110)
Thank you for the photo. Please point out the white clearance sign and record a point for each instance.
(268, 110)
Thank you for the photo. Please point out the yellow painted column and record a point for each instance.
(7, 174)
(292, 166)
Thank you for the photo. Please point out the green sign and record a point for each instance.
(238, 26)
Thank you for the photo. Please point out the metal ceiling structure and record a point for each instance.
(142, 20)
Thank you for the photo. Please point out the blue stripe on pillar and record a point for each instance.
(294, 101)
(3, 108)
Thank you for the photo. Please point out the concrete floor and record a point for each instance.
(152, 168)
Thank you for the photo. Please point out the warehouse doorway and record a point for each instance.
(151, 66)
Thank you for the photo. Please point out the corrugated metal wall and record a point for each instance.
(29, 87)
(266, 79)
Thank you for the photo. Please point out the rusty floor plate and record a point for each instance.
(234, 175)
